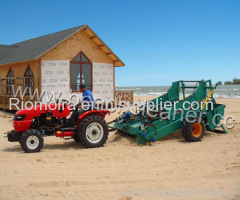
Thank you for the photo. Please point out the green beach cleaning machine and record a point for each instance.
(168, 113)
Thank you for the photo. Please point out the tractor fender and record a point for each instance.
(101, 113)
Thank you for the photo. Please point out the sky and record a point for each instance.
(159, 41)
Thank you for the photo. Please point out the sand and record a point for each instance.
(171, 168)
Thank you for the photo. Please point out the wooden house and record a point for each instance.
(58, 62)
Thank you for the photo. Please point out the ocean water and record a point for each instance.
(222, 91)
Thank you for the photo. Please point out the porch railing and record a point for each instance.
(124, 96)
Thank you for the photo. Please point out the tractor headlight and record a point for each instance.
(19, 117)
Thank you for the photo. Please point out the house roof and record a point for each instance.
(33, 48)
(5, 50)
(36, 47)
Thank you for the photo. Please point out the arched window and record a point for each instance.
(28, 80)
(10, 82)
(81, 72)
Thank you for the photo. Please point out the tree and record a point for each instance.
(219, 83)
(228, 83)
(236, 81)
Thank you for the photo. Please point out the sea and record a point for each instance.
(222, 91)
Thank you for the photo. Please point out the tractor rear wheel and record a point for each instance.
(31, 141)
(75, 137)
(193, 131)
(93, 131)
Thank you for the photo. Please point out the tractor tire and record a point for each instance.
(75, 137)
(195, 131)
(31, 141)
(93, 131)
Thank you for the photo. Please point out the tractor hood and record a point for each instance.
(57, 110)
(32, 110)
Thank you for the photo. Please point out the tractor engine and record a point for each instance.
(49, 119)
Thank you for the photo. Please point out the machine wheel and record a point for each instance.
(193, 132)
(75, 137)
(93, 131)
(31, 141)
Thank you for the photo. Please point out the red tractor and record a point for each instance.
(31, 125)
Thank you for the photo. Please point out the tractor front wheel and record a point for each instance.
(193, 131)
(31, 141)
(93, 131)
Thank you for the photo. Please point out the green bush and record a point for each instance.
(235, 81)
(228, 83)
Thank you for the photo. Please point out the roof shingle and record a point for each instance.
(33, 48)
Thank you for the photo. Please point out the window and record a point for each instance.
(81, 72)
(10, 82)
(28, 80)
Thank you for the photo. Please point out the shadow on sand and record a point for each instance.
(118, 138)
(67, 145)
(175, 136)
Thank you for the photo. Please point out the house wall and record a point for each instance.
(80, 41)
(20, 68)
(19, 71)
(103, 80)
(59, 58)
(56, 77)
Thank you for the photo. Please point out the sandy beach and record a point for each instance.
(170, 168)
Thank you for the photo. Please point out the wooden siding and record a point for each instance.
(78, 42)
(19, 70)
